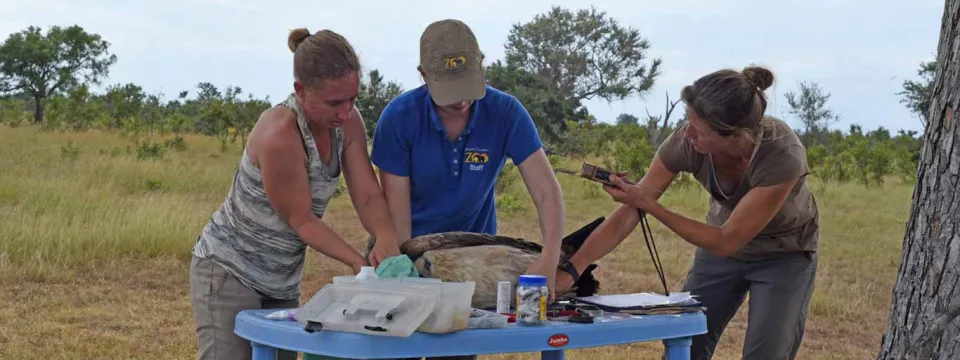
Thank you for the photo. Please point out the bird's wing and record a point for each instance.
(415, 247)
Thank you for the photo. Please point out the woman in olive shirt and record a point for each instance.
(762, 229)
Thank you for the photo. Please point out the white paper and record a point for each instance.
(638, 299)
(679, 297)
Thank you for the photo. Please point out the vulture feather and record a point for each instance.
(486, 259)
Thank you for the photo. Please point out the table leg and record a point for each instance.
(679, 348)
(551, 355)
(263, 352)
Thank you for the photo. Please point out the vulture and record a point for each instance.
(486, 259)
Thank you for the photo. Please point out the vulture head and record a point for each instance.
(487, 259)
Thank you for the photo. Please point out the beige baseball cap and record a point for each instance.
(451, 59)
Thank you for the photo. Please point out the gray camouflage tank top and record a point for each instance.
(248, 237)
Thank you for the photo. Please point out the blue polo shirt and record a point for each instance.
(452, 182)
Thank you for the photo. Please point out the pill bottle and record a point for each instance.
(504, 288)
(532, 294)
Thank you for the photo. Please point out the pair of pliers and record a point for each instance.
(512, 317)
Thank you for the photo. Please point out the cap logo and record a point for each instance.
(454, 63)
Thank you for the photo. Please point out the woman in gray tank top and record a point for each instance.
(762, 230)
(251, 253)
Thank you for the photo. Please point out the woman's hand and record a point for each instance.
(637, 196)
(383, 249)
(545, 265)
(357, 264)
(563, 281)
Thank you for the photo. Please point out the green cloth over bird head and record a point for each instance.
(396, 267)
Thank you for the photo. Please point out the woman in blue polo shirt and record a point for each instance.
(440, 147)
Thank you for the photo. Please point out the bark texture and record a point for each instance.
(923, 322)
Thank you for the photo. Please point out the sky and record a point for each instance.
(860, 52)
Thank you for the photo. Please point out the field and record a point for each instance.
(94, 250)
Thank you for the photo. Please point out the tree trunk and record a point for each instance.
(38, 112)
(923, 322)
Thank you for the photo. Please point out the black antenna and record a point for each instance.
(591, 171)
(652, 249)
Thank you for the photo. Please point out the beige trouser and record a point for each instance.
(217, 297)
(779, 289)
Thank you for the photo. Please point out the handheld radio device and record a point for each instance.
(596, 173)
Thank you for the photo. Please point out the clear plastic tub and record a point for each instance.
(362, 308)
(453, 309)
(453, 306)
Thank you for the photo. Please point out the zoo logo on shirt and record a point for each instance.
(476, 158)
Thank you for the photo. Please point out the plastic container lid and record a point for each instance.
(373, 309)
(533, 280)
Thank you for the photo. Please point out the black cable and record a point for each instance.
(652, 249)
(647, 234)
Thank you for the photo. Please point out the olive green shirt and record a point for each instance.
(778, 157)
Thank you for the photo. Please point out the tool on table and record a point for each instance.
(590, 310)
(581, 319)
(585, 314)
(574, 313)
(553, 315)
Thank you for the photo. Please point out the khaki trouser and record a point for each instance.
(217, 298)
(779, 289)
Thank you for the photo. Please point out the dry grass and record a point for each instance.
(94, 251)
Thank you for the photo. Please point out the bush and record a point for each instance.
(634, 157)
(148, 150)
(176, 143)
(69, 151)
(12, 112)
(507, 177)
(509, 204)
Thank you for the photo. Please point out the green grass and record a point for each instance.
(61, 211)
(96, 242)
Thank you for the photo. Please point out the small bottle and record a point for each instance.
(532, 294)
(367, 273)
(504, 288)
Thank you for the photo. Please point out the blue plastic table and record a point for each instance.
(551, 339)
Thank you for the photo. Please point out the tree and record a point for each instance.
(659, 126)
(124, 101)
(583, 55)
(916, 94)
(375, 94)
(923, 320)
(44, 65)
(549, 108)
(627, 119)
(810, 107)
(75, 111)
